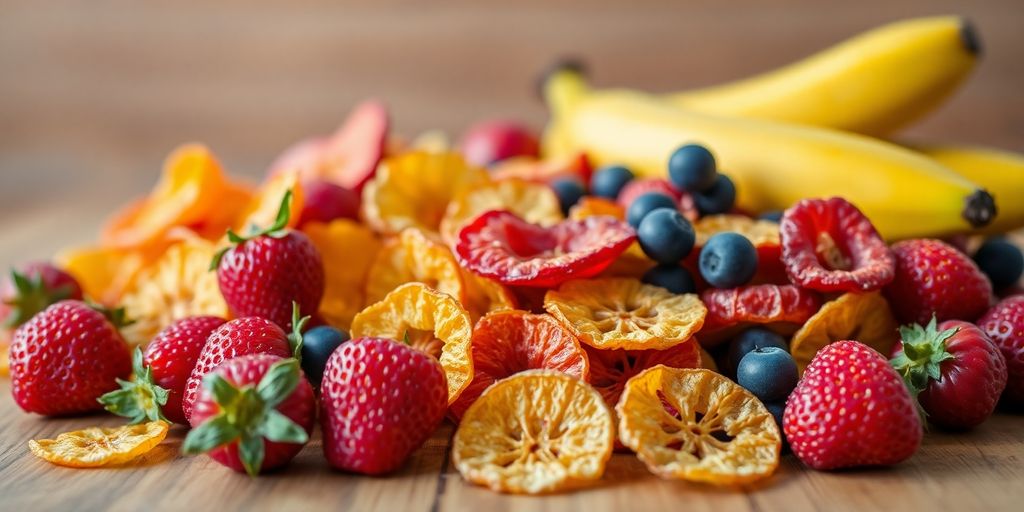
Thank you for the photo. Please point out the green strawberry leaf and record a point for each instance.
(278, 229)
(31, 296)
(223, 392)
(279, 428)
(251, 453)
(211, 434)
(279, 382)
(140, 399)
(298, 325)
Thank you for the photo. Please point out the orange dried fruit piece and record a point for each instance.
(348, 249)
(413, 190)
(104, 273)
(99, 446)
(508, 342)
(865, 317)
(433, 322)
(589, 206)
(696, 425)
(5, 351)
(264, 205)
(623, 313)
(533, 202)
(611, 369)
(571, 166)
(414, 257)
(484, 295)
(535, 432)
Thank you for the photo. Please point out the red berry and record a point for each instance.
(381, 401)
(851, 409)
(225, 426)
(65, 358)
(757, 304)
(1004, 325)
(933, 278)
(491, 141)
(31, 289)
(324, 201)
(172, 355)
(830, 246)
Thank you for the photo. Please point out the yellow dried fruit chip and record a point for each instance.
(589, 206)
(484, 295)
(759, 232)
(348, 250)
(415, 257)
(97, 446)
(533, 202)
(865, 317)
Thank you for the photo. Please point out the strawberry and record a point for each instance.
(851, 409)
(65, 357)
(33, 288)
(381, 401)
(955, 370)
(255, 413)
(264, 273)
(1004, 324)
(933, 278)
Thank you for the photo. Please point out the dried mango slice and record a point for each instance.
(611, 369)
(623, 313)
(348, 249)
(263, 207)
(535, 432)
(508, 342)
(533, 202)
(697, 425)
(104, 273)
(413, 190)
(434, 323)
(97, 446)
(865, 317)
(415, 257)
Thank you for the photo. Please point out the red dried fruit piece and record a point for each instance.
(639, 187)
(610, 369)
(501, 246)
(829, 245)
(756, 304)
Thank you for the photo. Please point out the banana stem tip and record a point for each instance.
(979, 208)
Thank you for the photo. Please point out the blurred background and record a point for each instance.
(94, 94)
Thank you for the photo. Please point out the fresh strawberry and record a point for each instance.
(933, 278)
(64, 358)
(381, 401)
(1004, 325)
(264, 273)
(955, 369)
(255, 413)
(851, 409)
(31, 289)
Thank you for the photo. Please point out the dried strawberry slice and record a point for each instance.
(610, 369)
(639, 187)
(829, 245)
(506, 248)
(756, 304)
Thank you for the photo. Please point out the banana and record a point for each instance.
(872, 84)
(773, 164)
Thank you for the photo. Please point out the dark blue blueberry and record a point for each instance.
(692, 168)
(720, 198)
(569, 192)
(645, 204)
(728, 260)
(774, 216)
(1001, 261)
(608, 181)
(750, 339)
(769, 373)
(673, 278)
(666, 236)
(318, 344)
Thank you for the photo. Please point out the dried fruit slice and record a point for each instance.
(415, 257)
(864, 317)
(762, 233)
(263, 207)
(414, 189)
(484, 295)
(97, 446)
(433, 322)
(590, 206)
(535, 432)
(508, 342)
(502, 246)
(104, 273)
(573, 166)
(348, 249)
(699, 426)
(732, 309)
(533, 202)
(639, 187)
(611, 369)
(623, 313)
(632, 262)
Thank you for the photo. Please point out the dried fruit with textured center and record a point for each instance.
(864, 317)
(99, 446)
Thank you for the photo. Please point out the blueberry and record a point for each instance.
(720, 198)
(728, 260)
(1001, 261)
(569, 192)
(773, 216)
(608, 181)
(769, 373)
(665, 235)
(692, 168)
(645, 204)
(673, 278)
(318, 344)
(748, 340)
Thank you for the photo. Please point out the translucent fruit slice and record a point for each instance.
(415, 257)
(508, 342)
(623, 313)
(865, 317)
(697, 425)
(348, 249)
(573, 166)
(434, 323)
(732, 309)
(535, 432)
(632, 262)
(96, 446)
(484, 295)
(611, 369)
(533, 202)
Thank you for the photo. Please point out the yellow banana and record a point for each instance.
(773, 164)
(873, 84)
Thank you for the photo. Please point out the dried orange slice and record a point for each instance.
(508, 342)
(631, 263)
(434, 323)
(697, 425)
(413, 190)
(484, 295)
(178, 285)
(611, 369)
(235, 199)
(623, 313)
(533, 202)
(104, 273)
(348, 249)
(98, 446)
(263, 207)
(537, 431)
(865, 317)
(415, 257)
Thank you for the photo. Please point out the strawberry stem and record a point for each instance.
(276, 230)
(140, 399)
